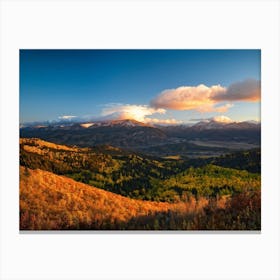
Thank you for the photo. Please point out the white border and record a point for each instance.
(139, 24)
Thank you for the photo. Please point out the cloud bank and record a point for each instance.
(207, 99)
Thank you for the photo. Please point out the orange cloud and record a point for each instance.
(224, 108)
(187, 98)
(207, 99)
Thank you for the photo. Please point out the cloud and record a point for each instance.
(223, 108)
(67, 117)
(207, 99)
(127, 111)
(248, 90)
(164, 121)
(214, 108)
(136, 112)
(223, 119)
(187, 98)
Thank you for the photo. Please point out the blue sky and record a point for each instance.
(151, 85)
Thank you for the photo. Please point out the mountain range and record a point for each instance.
(151, 139)
(212, 124)
(203, 124)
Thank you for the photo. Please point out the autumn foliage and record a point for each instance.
(52, 202)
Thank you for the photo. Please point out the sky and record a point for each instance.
(152, 86)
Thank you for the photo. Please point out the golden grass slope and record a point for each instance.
(35, 145)
(48, 201)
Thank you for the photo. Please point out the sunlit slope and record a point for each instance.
(52, 202)
(49, 201)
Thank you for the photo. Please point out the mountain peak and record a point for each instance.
(120, 123)
(225, 124)
(127, 122)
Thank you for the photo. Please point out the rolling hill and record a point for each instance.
(48, 201)
(52, 202)
(137, 176)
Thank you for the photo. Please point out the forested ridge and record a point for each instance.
(218, 186)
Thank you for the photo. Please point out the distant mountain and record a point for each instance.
(137, 135)
(119, 123)
(217, 131)
(212, 124)
(253, 121)
(84, 124)
(208, 125)
(120, 133)
(60, 122)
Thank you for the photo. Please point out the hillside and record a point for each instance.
(51, 202)
(245, 160)
(48, 201)
(140, 177)
(105, 187)
(113, 169)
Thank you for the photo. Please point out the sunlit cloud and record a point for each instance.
(208, 99)
(162, 121)
(223, 119)
(127, 111)
(188, 98)
(223, 108)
